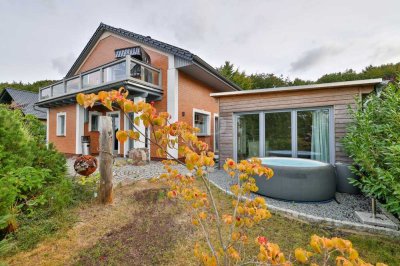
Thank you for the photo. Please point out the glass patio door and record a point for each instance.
(248, 136)
(313, 134)
(278, 132)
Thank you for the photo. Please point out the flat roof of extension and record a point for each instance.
(302, 87)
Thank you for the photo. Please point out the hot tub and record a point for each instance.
(298, 180)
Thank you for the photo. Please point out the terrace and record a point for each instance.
(136, 76)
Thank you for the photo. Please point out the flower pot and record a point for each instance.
(85, 165)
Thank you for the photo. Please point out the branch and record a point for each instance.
(155, 143)
(216, 212)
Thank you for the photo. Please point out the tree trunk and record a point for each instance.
(106, 160)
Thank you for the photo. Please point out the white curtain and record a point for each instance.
(320, 136)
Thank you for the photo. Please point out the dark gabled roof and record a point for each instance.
(25, 100)
(147, 40)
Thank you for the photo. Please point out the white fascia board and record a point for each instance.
(302, 87)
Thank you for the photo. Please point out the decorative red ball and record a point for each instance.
(85, 165)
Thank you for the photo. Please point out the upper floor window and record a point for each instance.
(202, 121)
(61, 127)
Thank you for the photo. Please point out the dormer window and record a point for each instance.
(136, 52)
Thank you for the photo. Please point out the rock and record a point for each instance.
(139, 156)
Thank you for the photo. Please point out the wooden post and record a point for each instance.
(106, 160)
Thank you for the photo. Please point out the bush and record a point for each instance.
(15, 141)
(35, 193)
(32, 175)
(373, 142)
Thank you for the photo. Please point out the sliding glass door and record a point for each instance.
(248, 136)
(301, 133)
(313, 134)
(278, 131)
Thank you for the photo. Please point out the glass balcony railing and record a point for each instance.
(126, 69)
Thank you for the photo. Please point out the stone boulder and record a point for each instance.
(139, 156)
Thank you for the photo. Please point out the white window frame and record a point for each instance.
(91, 113)
(58, 129)
(215, 116)
(119, 126)
(208, 133)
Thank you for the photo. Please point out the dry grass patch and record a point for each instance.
(95, 221)
(148, 239)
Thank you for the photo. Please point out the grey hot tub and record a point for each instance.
(298, 180)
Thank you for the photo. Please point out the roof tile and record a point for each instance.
(26, 100)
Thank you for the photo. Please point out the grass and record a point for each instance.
(53, 219)
(33, 232)
(290, 234)
(143, 227)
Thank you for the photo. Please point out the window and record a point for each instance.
(202, 121)
(61, 124)
(94, 121)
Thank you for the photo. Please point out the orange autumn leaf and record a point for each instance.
(80, 98)
(122, 136)
(301, 255)
(102, 95)
(133, 134)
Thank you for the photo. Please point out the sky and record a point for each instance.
(40, 39)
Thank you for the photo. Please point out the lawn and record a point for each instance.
(144, 227)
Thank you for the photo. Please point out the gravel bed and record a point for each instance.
(343, 208)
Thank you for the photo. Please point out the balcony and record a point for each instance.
(129, 72)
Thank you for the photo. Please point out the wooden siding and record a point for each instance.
(339, 98)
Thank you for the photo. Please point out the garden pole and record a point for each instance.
(106, 160)
(373, 203)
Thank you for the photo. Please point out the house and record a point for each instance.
(176, 80)
(306, 121)
(24, 100)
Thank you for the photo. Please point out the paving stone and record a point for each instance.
(379, 220)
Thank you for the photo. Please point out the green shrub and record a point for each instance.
(35, 193)
(15, 141)
(45, 156)
(373, 142)
(32, 175)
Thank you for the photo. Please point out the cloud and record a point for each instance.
(385, 53)
(313, 57)
(63, 63)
